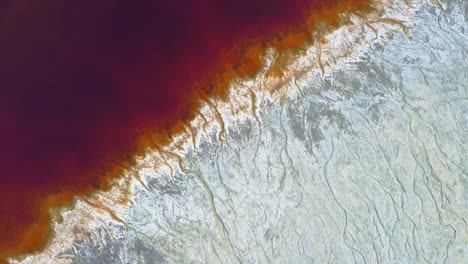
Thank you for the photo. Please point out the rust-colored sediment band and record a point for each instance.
(87, 84)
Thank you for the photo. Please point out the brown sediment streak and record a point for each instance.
(86, 86)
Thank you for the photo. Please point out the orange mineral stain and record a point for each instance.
(88, 85)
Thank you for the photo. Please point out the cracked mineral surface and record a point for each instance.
(358, 159)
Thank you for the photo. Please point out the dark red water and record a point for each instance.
(80, 79)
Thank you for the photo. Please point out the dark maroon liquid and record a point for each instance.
(79, 79)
